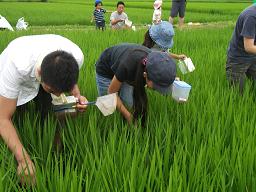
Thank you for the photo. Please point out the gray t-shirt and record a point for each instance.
(245, 27)
(115, 16)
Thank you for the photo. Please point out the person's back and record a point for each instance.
(245, 27)
(114, 58)
(20, 59)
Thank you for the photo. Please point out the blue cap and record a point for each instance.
(162, 34)
(161, 70)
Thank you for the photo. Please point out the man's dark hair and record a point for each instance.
(59, 70)
(120, 3)
(97, 3)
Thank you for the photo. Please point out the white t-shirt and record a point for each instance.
(115, 16)
(19, 60)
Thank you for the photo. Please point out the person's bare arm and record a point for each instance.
(176, 56)
(81, 99)
(114, 87)
(249, 45)
(9, 134)
(115, 21)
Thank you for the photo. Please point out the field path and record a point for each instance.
(220, 24)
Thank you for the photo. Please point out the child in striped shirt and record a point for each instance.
(98, 15)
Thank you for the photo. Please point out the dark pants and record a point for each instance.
(43, 105)
(237, 71)
(100, 25)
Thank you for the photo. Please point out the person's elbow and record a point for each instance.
(249, 46)
(112, 22)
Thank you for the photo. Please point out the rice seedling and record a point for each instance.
(207, 144)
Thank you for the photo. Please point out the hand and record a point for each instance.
(81, 107)
(120, 20)
(177, 79)
(182, 101)
(26, 172)
(182, 56)
(129, 118)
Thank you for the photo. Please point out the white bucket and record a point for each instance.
(180, 91)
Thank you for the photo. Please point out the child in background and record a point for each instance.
(157, 12)
(160, 38)
(98, 15)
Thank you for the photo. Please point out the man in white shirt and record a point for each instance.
(118, 17)
(32, 67)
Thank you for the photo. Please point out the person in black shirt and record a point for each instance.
(241, 54)
(127, 69)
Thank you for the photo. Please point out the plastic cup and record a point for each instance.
(180, 91)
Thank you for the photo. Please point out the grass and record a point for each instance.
(207, 144)
(45, 14)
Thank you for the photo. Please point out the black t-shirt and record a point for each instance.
(245, 27)
(121, 61)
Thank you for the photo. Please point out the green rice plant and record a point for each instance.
(79, 13)
(206, 144)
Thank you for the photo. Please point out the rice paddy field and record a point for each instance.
(206, 144)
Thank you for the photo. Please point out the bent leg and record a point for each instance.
(235, 73)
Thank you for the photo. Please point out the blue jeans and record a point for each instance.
(125, 93)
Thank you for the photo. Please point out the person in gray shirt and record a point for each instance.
(178, 7)
(241, 53)
(117, 18)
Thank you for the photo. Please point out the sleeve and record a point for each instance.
(80, 58)
(128, 64)
(126, 16)
(120, 67)
(154, 16)
(10, 81)
(77, 53)
(112, 16)
(248, 29)
(121, 73)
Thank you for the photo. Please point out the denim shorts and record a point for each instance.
(125, 93)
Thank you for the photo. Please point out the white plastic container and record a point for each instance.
(128, 22)
(186, 65)
(180, 91)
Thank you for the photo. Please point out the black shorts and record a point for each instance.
(178, 7)
(100, 24)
